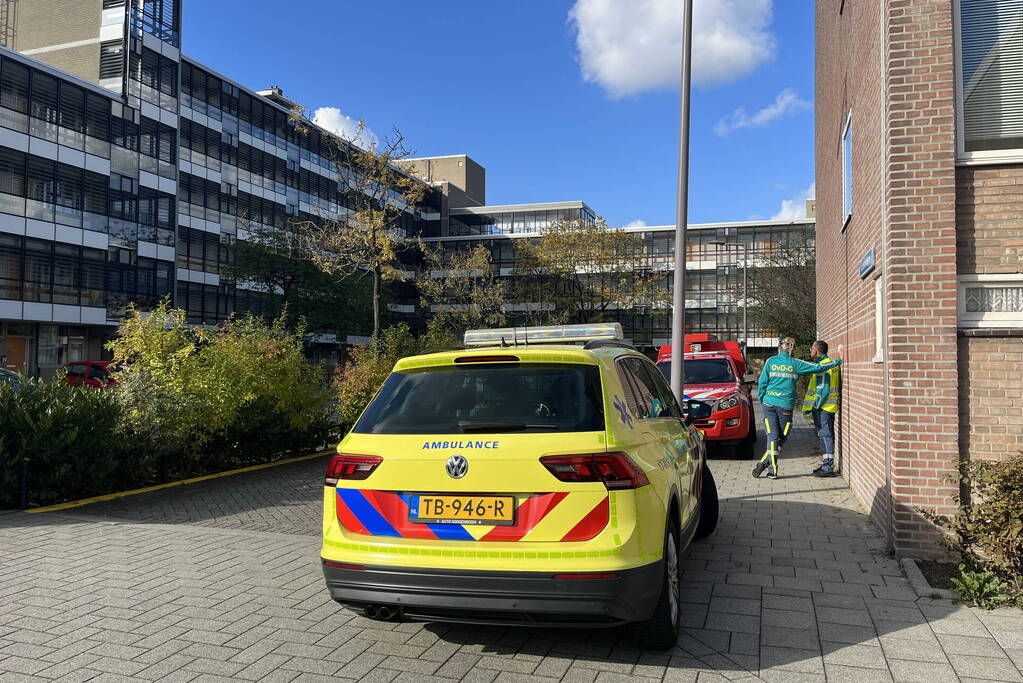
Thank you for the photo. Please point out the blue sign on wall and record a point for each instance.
(867, 263)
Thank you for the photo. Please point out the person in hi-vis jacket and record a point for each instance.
(777, 395)
(821, 403)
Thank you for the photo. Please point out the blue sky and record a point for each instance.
(558, 99)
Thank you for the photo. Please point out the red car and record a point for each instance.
(716, 373)
(90, 373)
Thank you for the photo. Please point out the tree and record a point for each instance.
(463, 288)
(380, 197)
(583, 271)
(325, 301)
(782, 291)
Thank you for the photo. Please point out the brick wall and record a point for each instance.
(849, 78)
(921, 281)
(991, 396)
(989, 216)
(42, 23)
(82, 61)
(896, 450)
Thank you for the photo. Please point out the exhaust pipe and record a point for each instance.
(381, 612)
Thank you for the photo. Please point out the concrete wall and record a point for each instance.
(461, 172)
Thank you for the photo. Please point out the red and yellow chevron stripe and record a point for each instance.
(561, 516)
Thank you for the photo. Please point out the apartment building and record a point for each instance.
(127, 170)
(920, 245)
(716, 255)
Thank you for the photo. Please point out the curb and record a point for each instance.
(171, 484)
(919, 582)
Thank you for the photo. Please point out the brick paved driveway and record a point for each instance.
(199, 583)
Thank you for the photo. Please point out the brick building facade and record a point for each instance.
(919, 246)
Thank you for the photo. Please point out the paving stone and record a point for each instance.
(988, 668)
(922, 672)
(221, 580)
(804, 639)
(788, 619)
(791, 659)
(840, 673)
(970, 645)
(863, 656)
(914, 650)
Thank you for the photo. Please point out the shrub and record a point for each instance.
(201, 399)
(63, 438)
(988, 528)
(984, 589)
(358, 380)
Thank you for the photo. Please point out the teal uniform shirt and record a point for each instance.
(778, 378)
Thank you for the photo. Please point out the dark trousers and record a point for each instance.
(824, 423)
(777, 421)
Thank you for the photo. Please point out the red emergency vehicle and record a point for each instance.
(715, 372)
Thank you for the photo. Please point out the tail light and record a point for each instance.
(615, 470)
(350, 467)
(344, 565)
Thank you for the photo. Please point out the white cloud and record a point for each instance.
(636, 224)
(633, 46)
(795, 208)
(332, 119)
(786, 103)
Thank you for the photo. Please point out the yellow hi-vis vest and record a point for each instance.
(824, 390)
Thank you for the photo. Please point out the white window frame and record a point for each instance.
(987, 319)
(964, 158)
(879, 319)
(847, 165)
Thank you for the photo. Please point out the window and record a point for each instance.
(14, 86)
(520, 398)
(643, 391)
(879, 320)
(847, 170)
(991, 301)
(44, 97)
(111, 59)
(990, 77)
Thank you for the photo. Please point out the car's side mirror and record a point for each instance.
(697, 410)
(749, 378)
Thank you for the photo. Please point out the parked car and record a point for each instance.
(552, 481)
(716, 374)
(12, 378)
(98, 374)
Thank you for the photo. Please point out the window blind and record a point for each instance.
(991, 61)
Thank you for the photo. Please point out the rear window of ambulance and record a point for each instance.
(518, 398)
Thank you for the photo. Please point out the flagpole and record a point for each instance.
(678, 313)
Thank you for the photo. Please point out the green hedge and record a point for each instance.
(62, 439)
(188, 401)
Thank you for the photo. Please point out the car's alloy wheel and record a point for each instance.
(660, 631)
(674, 591)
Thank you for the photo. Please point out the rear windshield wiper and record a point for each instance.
(467, 426)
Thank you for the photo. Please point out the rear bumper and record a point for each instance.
(525, 598)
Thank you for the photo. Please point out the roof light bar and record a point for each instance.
(513, 336)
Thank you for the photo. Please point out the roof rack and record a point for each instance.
(547, 334)
(607, 343)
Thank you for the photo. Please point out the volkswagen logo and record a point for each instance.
(456, 466)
